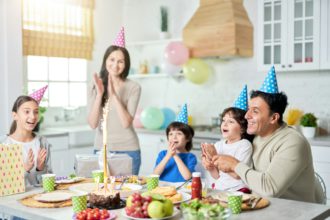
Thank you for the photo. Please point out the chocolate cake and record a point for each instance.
(105, 201)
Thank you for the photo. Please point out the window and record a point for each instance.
(66, 79)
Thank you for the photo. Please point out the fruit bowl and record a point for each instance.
(175, 212)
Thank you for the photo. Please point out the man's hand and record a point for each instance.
(42, 153)
(29, 163)
(225, 163)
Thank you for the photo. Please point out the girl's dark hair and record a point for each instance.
(187, 130)
(239, 116)
(19, 101)
(104, 73)
(277, 102)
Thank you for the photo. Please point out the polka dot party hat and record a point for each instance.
(183, 115)
(270, 83)
(37, 95)
(120, 39)
(241, 101)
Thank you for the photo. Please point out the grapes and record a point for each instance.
(139, 208)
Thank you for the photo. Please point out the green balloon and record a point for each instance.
(152, 118)
(196, 70)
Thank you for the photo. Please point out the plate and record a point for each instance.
(185, 197)
(126, 190)
(175, 212)
(73, 180)
(56, 196)
(111, 216)
(223, 196)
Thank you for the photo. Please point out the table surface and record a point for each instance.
(278, 209)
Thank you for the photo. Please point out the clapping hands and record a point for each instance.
(208, 152)
(171, 151)
(41, 158)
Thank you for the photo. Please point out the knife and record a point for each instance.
(255, 202)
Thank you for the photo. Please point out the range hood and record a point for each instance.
(219, 28)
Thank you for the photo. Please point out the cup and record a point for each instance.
(152, 182)
(98, 176)
(48, 182)
(235, 202)
(204, 188)
(79, 202)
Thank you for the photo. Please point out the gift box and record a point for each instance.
(11, 169)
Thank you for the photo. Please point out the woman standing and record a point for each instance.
(123, 96)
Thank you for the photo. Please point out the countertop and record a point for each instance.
(214, 134)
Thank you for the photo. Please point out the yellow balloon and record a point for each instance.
(196, 70)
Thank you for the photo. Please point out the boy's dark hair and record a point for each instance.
(187, 130)
(19, 101)
(239, 116)
(277, 102)
(104, 73)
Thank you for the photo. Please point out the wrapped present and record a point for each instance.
(11, 169)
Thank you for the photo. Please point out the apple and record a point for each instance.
(129, 201)
(168, 207)
(156, 209)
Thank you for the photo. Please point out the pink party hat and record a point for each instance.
(120, 39)
(37, 95)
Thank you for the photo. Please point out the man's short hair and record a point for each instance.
(277, 102)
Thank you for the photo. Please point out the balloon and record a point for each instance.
(137, 119)
(152, 118)
(170, 69)
(176, 53)
(169, 116)
(196, 70)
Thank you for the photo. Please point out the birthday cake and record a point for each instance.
(105, 200)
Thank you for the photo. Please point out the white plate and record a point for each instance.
(73, 180)
(185, 197)
(223, 196)
(175, 212)
(56, 196)
(127, 189)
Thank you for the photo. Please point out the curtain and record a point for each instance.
(58, 28)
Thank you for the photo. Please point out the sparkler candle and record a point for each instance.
(105, 139)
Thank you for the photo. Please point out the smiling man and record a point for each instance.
(282, 158)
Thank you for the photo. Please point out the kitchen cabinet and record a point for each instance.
(325, 35)
(322, 165)
(289, 35)
(59, 153)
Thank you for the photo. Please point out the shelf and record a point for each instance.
(155, 75)
(151, 42)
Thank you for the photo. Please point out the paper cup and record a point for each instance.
(98, 176)
(48, 182)
(79, 202)
(152, 181)
(235, 202)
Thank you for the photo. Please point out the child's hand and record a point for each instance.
(171, 151)
(207, 164)
(29, 164)
(42, 153)
(208, 150)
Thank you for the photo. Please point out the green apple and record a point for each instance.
(168, 207)
(156, 209)
(129, 201)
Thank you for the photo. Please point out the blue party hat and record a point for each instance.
(241, 101)
(270, 83)
(183, 115)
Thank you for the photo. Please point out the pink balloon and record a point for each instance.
(176, 53)
(137, 122)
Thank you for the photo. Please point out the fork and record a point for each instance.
(122, 183)
(183, 184)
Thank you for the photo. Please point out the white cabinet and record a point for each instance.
(321, 161)
(59, 153)
(289, 35)
(150, 145)
(325, 35)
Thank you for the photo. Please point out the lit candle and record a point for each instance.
(105, 139)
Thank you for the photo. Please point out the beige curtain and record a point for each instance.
(58, 28)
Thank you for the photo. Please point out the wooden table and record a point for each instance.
(278, 209)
